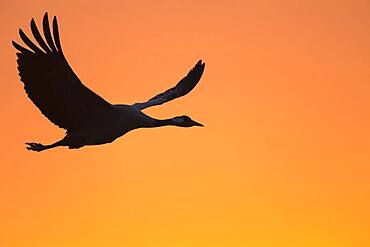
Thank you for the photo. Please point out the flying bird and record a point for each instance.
(88, 119)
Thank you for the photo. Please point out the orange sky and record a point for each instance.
(284, 157)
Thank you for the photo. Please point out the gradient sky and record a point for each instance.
(283, 159)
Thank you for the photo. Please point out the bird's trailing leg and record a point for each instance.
(38, 147)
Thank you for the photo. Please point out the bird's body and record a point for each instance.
(106, 129)
(56, 90)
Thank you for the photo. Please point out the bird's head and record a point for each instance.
(185, 121)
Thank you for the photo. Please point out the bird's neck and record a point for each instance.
(164, 122)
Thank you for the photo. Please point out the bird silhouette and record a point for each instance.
(56, 90)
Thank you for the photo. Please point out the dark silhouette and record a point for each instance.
(56, 90)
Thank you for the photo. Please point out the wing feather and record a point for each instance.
(29, 43)
(182, 88)
(20, 48)
(56, 34)
(47, 33)
(52, 85)
(38, 37)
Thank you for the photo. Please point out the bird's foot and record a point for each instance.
(35, 146)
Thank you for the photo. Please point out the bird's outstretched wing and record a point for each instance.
(50, 82)
(182, 88)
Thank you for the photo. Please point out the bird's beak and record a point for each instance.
(198, 124)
